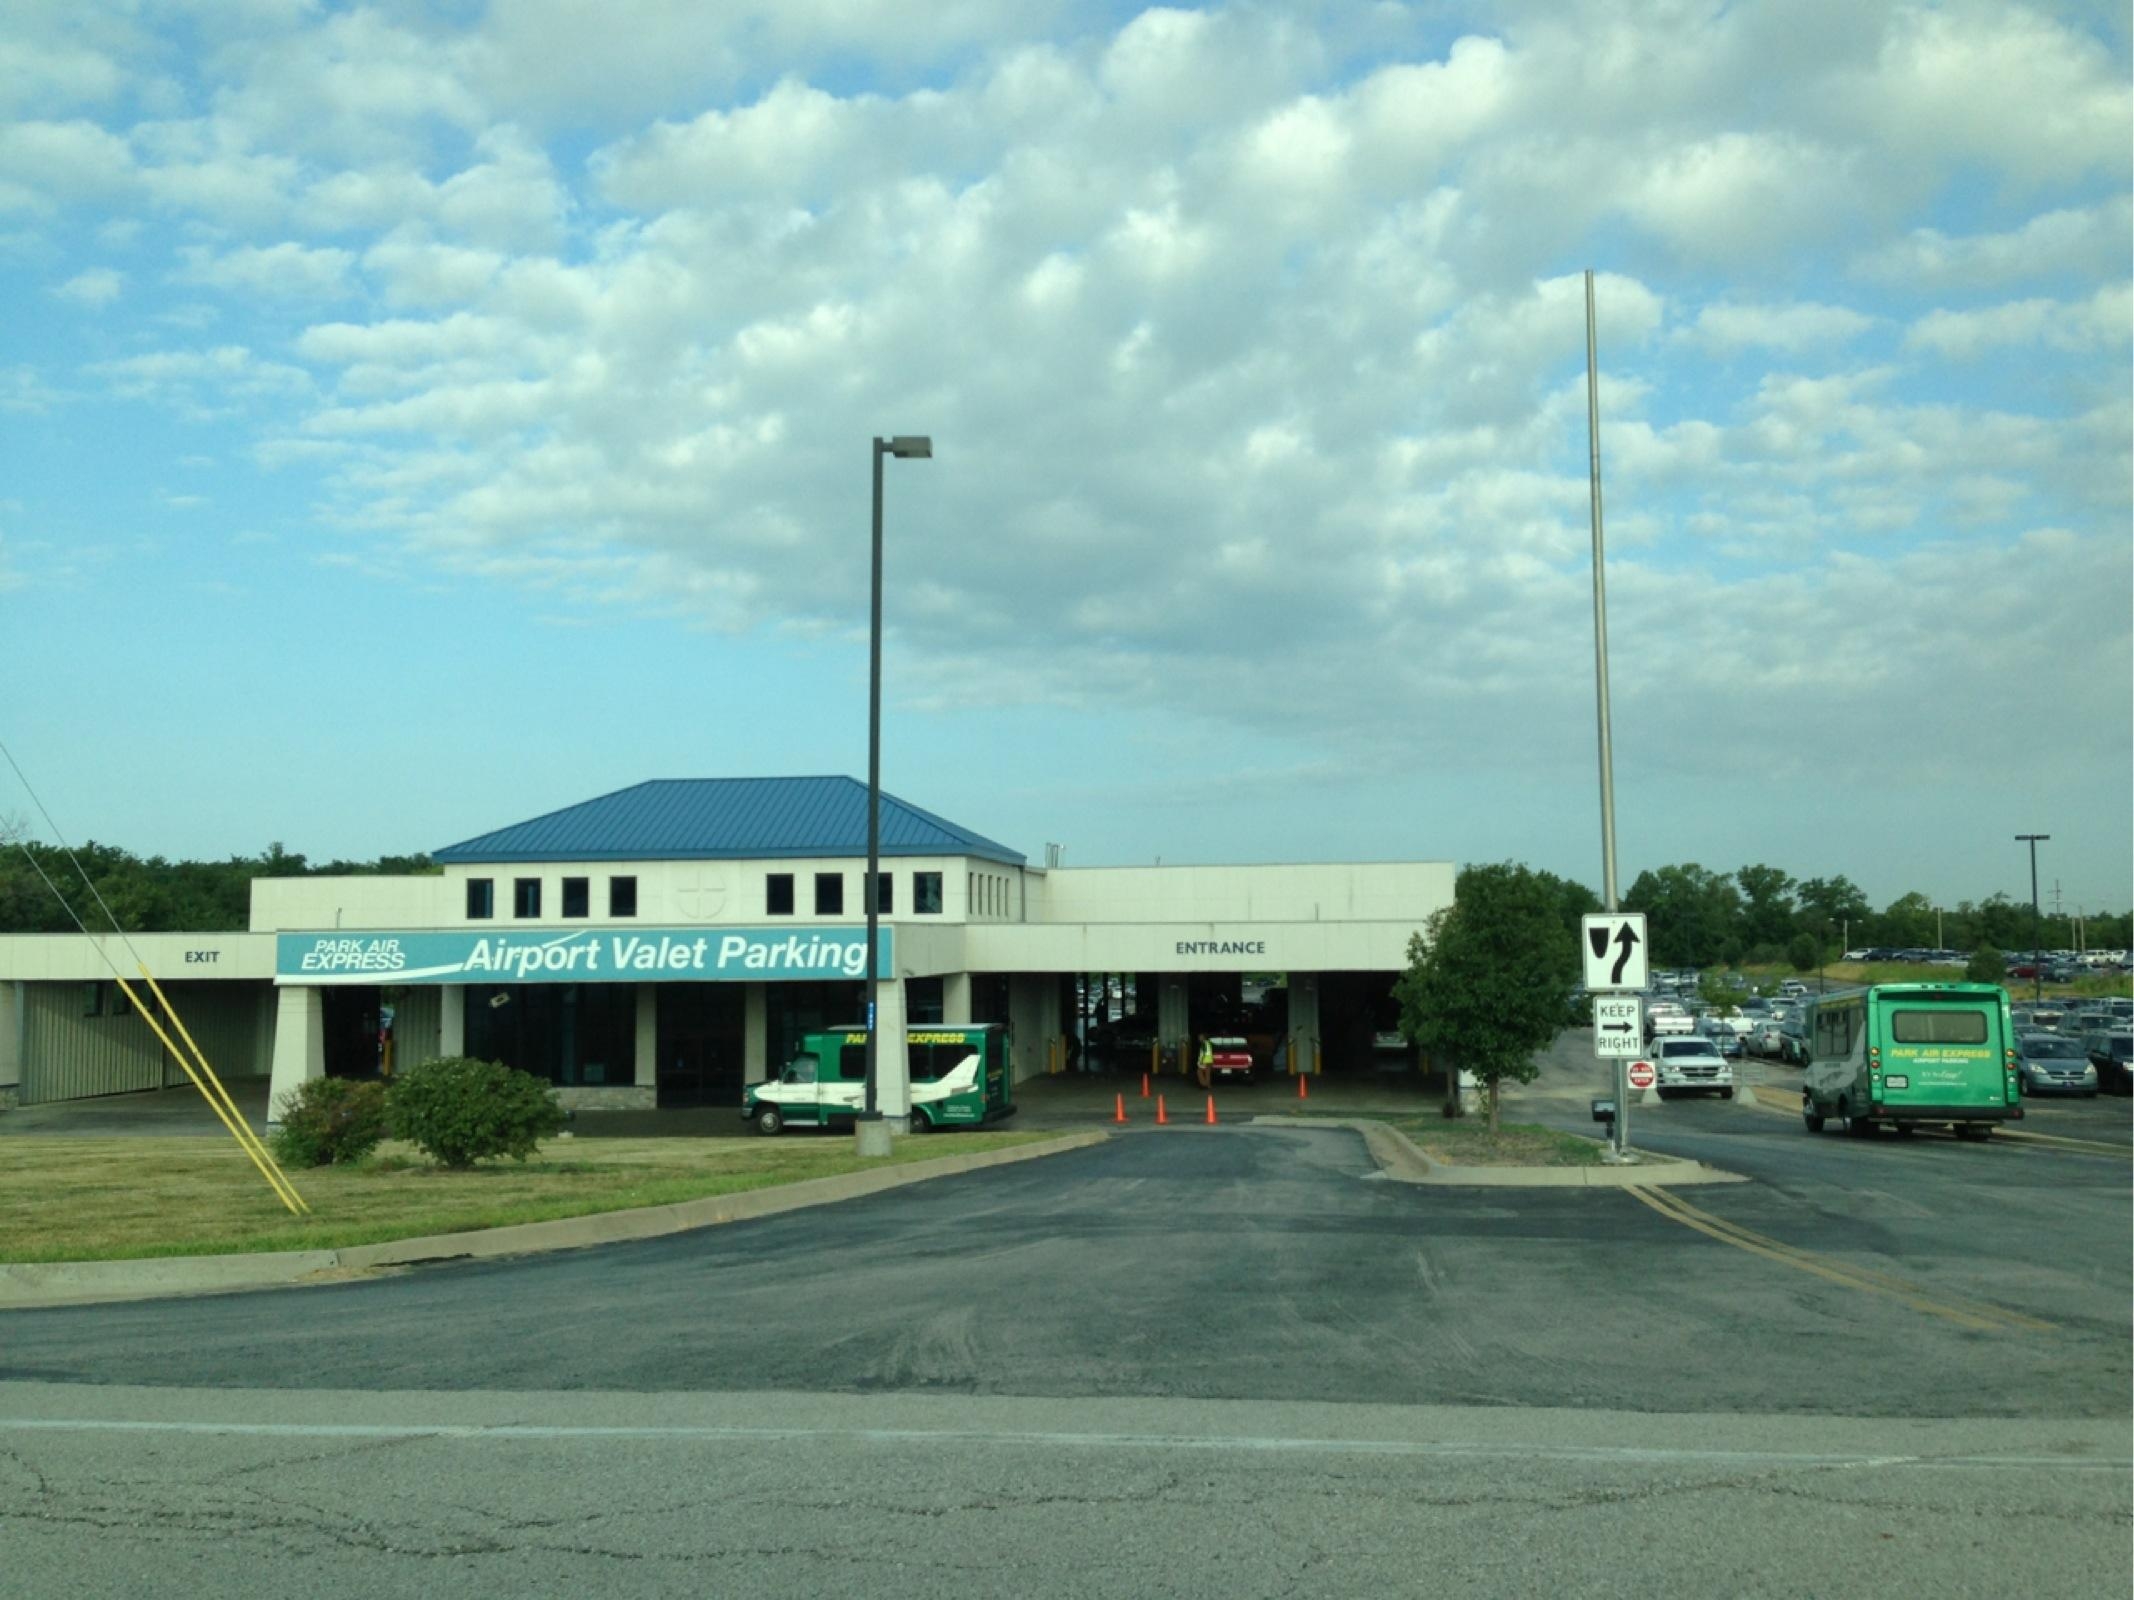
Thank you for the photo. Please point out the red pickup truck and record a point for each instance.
(1224, 1057)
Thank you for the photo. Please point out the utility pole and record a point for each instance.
(1600, 690)
(2037, 970)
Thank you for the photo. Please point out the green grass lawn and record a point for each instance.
(1851, 974)
(1467, 1142)
(114, 1199)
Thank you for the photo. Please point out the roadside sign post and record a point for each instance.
(1612, 947)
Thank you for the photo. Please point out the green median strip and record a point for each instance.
(1467, 1141)
(138, 1198)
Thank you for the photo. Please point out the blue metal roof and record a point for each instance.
(726, 819)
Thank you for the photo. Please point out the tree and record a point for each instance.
(1827, 905)
(1804, 953)
(1767, 906)
(1484, 991)
(1692, 914)
(1985, 966)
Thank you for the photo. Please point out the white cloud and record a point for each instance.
(95, 286)
(286, 271)
(43, 164)
(2085, 241)
(2101, 322)
(202, 383)
(1728, 328)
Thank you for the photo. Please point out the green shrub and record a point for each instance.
(330, 1121)
(1802, 953)
(458, 1111)
(1985, 966)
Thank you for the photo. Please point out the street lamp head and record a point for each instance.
(908, 446)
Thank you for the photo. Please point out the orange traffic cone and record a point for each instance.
(1211, 1108)
(1161, 1118)
(1302, 1092)
(1119, 1108)
(1144, 1086)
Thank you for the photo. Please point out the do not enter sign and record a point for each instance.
(1641, 1075)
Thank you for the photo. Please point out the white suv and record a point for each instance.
(1691, 1063)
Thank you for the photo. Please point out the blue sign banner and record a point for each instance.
(582, 955)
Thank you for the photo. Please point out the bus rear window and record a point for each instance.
(1938, 1027)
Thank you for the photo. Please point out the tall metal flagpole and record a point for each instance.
(1600, 682)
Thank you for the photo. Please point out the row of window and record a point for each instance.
(778, 893)
(988, 894)
(622, 895)
(526, 897)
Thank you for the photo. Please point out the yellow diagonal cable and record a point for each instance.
(286, 1194)
(246, 1137)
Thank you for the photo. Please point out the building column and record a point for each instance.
(299, 1042)
(11, 1011)
(452, 1021)
(755, 1032)
(645, 1053)
(955, 997)
(1173, 1021)
(1303, 1020)
(892, 1062)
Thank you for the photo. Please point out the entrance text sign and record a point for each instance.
(581, 955)
(1618, 1026)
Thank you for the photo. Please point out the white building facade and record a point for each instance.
(668, 944)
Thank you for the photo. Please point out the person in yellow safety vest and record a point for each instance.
(1207, 1063)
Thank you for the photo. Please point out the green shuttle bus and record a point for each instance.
(960, 1078)
(1903, 1054)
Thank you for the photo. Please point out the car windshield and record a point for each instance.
(2041, 1049)
(1687, 1047)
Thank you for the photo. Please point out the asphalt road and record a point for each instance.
(1198, 1361)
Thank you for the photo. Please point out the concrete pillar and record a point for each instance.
(1028, 1040)
(1049, 1019)
(755, 1033)
(955, 997)
(1172, 1013)
(645, 1051)
(892, 1065)
(11, 1023)
(452, 1021)
(1303, 1019)
(299, 1042)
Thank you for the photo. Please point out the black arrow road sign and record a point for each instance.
(1626, 940)
(1615, 1027)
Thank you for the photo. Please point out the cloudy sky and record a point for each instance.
(420, 416)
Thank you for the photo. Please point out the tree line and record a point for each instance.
(1698, 918)
(149, 894)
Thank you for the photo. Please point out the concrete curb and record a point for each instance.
(1399, 1159)
(60, 1283)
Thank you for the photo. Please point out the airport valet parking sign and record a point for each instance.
(583, 955)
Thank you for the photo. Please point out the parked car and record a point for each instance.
(1767, 1039)
(2109, 1053)
(1793, 1044)
(1726, 1042)
(1692, 1063)
(2050, 1064)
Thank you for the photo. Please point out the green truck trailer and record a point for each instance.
(960, 1078)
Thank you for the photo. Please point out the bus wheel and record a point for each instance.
(770, 1121)
(918, 1121)
(1811, 1117)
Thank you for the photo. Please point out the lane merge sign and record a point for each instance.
(1642, 1075)
(1613, 946)
(1618, 1026)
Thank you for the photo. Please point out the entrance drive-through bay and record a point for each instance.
(1231, 1361)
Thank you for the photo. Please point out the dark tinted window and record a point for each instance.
(481, 898)
(526, 897)
(577, 897)
(622, 897)
(1938, 1027)
(852, 1063)
(886, 888)
(926, 892)
(829, 894)
(778, 894)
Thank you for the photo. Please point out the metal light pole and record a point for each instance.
(873, 1134)
(1600, 684)
(2037, 970)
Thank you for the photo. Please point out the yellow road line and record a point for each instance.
(2091, 1147)
(1969, 1314)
